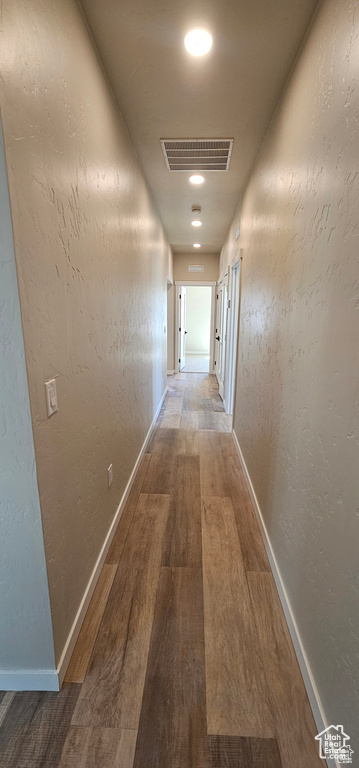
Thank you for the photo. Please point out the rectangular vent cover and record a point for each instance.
(197, 154)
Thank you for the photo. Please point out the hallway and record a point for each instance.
(184, 659)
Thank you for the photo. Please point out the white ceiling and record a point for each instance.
(163, 92)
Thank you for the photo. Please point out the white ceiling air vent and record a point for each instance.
(197, 154)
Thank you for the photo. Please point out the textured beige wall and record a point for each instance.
(210, 262)
(92, 265)
(297, 407)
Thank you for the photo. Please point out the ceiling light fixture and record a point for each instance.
(198, 42)
(196, 223)
(196, 245)
(196, 179)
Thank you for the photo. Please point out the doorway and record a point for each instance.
(195, 314)
(221, 333)
(226, 334)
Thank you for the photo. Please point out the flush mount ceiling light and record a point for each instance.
(196, 179)
(196, 245)
(196, 212)
(198, 42)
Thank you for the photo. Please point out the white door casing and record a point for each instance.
(221, 331)
(182, 328)
(180, 286)
(232, 337)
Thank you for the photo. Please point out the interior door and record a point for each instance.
(182, 328)
(221, 328)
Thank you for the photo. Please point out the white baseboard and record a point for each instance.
(309, 682)
(171, 373)
(52, 679)
(28, 680)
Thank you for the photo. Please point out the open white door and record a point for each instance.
(221, 329)
(182, 327)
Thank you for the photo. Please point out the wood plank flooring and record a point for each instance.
(184, 659)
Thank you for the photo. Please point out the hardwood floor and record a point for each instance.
(184, 659)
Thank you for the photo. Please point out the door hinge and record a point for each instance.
(179, 329)
(229, 304)
(217, 295)
(179, 360)
(180, 296)
(215, 362)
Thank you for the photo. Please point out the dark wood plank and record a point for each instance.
(171, 420)
(6, 699)
(183, 544)
(227, 445)
(118, 541)
(173, 405)
(35, 728)
(187, 442)
(112, 691)
(15, 726)
(213, 477)
(236, 752)
(159, 475)
(189, 420)
(207, 420)
(220, 422)
(237, 694)
(253, 549)
(174, 391)
(98, 748)
(293, 718)
(217, 404)
(86, 640)
(205, 404)
(190, 402)
(172, 730)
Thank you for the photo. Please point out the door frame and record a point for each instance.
(196, 284)
(232, 336)
(221, 323)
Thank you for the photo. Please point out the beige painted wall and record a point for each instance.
(210, 262)
(297, 407)
(92, 264)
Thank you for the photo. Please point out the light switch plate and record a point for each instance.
(51, 396)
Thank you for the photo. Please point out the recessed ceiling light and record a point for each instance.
(196, 179)
(198, 42)
(196, 245)
(196, 223)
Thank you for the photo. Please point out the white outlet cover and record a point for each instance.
(51, 396)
